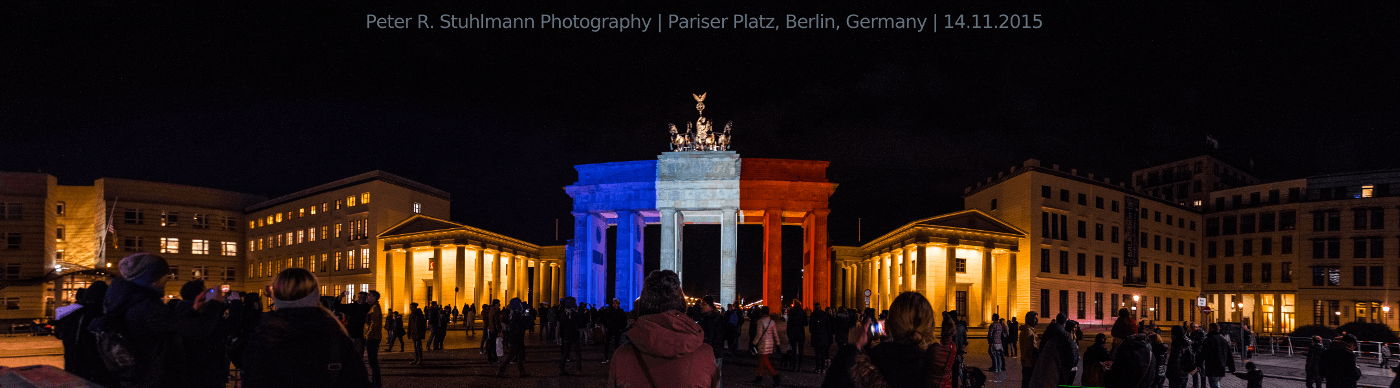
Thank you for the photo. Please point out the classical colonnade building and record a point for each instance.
(963, 261)
(697, 187)
(429, 259)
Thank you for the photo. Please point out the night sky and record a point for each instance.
(269, 99)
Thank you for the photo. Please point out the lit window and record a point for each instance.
(269, 220)
(301, 236)
(338, 258)
(229, 248)
(350, 259)
(169, 245)
(350, 201)
(311, 234)
(311, 264)
(199, 247)
(313, 210)
(252, 224)
(364, 258)
(339, 203)
(169, 218)
(302, 213)
(323, 232)
(364, 197)
(260, 222)
(289, 238)
(417, 208)
(279, 217)
(1367, 190)
(323, 207)
(199, 272)
(260, 244)
(337, 230)
(252, 246)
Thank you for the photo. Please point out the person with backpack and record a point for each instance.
(517, 323)
(614, 322)
(1181, 362)
(138, 336)
(300, 344)
(80, 354)
(734, 319)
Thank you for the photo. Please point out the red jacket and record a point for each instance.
(673, 349)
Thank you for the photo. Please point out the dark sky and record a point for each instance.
(269, 99)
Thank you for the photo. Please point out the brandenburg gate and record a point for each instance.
(699, 182)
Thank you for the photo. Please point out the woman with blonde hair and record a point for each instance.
(300, 344)
(909, 355)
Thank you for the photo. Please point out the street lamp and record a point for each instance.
(1136, 298)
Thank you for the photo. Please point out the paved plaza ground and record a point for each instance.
(461, 365)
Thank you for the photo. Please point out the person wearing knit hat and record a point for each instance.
(150, 326)
(145, 269)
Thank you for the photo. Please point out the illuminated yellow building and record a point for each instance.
(1084, 234)
(963, 261)
(429, 259)
(332, 229)
(1320, 250)
(53, 237)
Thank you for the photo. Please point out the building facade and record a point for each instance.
(963, 261)
(1094, 246)
(429, 259)
(57, 241)
(1188, 182)
(332, 230)
(1320, 250)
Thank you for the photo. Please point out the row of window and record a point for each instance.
(1255, 199)
(1361, 248)
(326, 262)
(1250, 223)
(175, 219)
(201, 272)
(1154, 308)
(11, 211)
(1266, 273)
(1081, 268)
(1056, 227)
(1246, 247)
(357, 230)
(1083, 200)
(172, 245)
(350, 201)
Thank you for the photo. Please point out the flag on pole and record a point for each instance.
(1214, 144)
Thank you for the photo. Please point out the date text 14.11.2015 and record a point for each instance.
(955, 21)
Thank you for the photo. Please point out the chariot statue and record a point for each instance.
(700, 135)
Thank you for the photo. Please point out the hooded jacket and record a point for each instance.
(1056, 359)
(300, 347)
(1216, 358)
(1338, 365)
(1182, 359)
(1124, 327)
(152, 330)
(1133, 364)
(668, 346)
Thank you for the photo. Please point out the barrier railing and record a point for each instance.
(1290, 346)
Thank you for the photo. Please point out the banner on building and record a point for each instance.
(1130, 231)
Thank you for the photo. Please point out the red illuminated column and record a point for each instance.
(773, 258)
(819, 275)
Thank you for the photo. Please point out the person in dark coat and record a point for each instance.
(150, 327)
(614, 323)
(1057, 359)
(1198, 341)
(1029, 348)
(1338, 364)
(417, 330)
(797, 332)
(1313, 374)
(571, 319)
(1133, 364)
(1216, 358)
(1253, 377)
(206, 339)
(80, 354)
(1123, 327)
(820, 326)
(517, 323)
(666, 348)
(300, 344)
(1093, 362)
(354, 313)
(1182, 359)
(395, 328)
(1159, 359)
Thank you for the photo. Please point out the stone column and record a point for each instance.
(628, 259)
(437, 275)
(921, 269)
(459, 290)
(479, 293)
(386, 288)
(670, 239)
(1013, 305)
(773, 257)
(407, 278)
(950, 290)
(728, 254)
(580, 260)
(817, 266)
(986, 289)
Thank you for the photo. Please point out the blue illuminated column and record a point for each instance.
(587, 264)
(629, 257)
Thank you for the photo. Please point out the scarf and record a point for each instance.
(312, 300)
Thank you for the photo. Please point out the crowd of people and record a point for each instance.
(126, 334)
